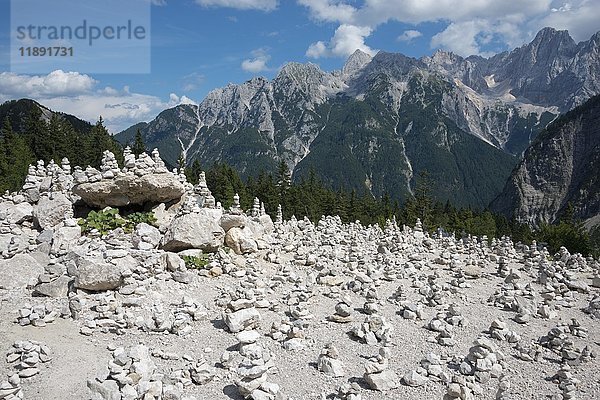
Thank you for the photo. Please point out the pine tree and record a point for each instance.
(101, 140)
(16, 160)
(138, 144)
(38, 135)
(192, 173)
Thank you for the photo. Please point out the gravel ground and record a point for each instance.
(77, 358)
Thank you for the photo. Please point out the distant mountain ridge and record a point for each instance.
(378, 122)
(18, 111)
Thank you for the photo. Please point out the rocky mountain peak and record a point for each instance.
(550, 40)
(356, 62)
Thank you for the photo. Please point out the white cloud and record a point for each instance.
(258, 63)
(331, 11)
(56, 83)
(317, 50)
(76, 94)
(346, 40)
(263, 5)
(507, 23)
(580, 19)
(459, 37)
(409, 35)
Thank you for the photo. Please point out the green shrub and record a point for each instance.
(196, 262)
(137, 218)
(108, 219)
(104, 221)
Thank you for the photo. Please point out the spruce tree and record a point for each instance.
(17, 157)
(138, 144)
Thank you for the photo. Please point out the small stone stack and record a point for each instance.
(594, 307)
(377, 375)
(499, 330)
(483, 361)
(375, 329)
(253, 368)
(410, 310)
(132, 375)
(432, 367)
(348, 391)
(109, 166)
(205, 198)
(531, 352)
(372, 304)
(567, 383)
(329, 363)
(343, 311)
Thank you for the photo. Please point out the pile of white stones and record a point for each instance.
(26, 357)
(37, 315)
(131, 375)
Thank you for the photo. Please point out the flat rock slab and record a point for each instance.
(126, 189)
(19, 271)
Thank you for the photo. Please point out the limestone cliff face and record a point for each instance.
(562, 166)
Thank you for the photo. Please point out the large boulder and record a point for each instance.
(198, 230)
(52, 210)
(16, 213)
(146, 237)
(241, 240)
(19, 271)
(126, 189)
(229, 221)
(97, 275)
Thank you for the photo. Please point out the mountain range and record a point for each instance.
(380, 121)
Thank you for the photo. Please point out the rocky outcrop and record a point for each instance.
(559, 169)
(143, 180)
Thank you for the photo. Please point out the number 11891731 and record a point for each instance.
(53, 51)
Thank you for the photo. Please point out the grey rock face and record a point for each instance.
(561, 167)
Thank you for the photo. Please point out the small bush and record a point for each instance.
(137, 218)
(196, 262)
(104, 221)
(108, 219)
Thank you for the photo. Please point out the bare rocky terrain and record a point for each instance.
(280, 310)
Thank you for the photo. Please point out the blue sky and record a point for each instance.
(199, 45)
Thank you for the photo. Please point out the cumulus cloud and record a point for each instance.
(262, 5)
(409, 35)
(56, 83)
(331, 11)
(507, 23)
(78, 94)
(258, 63)
(317, 50)
(460, 37)
(346, 40)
